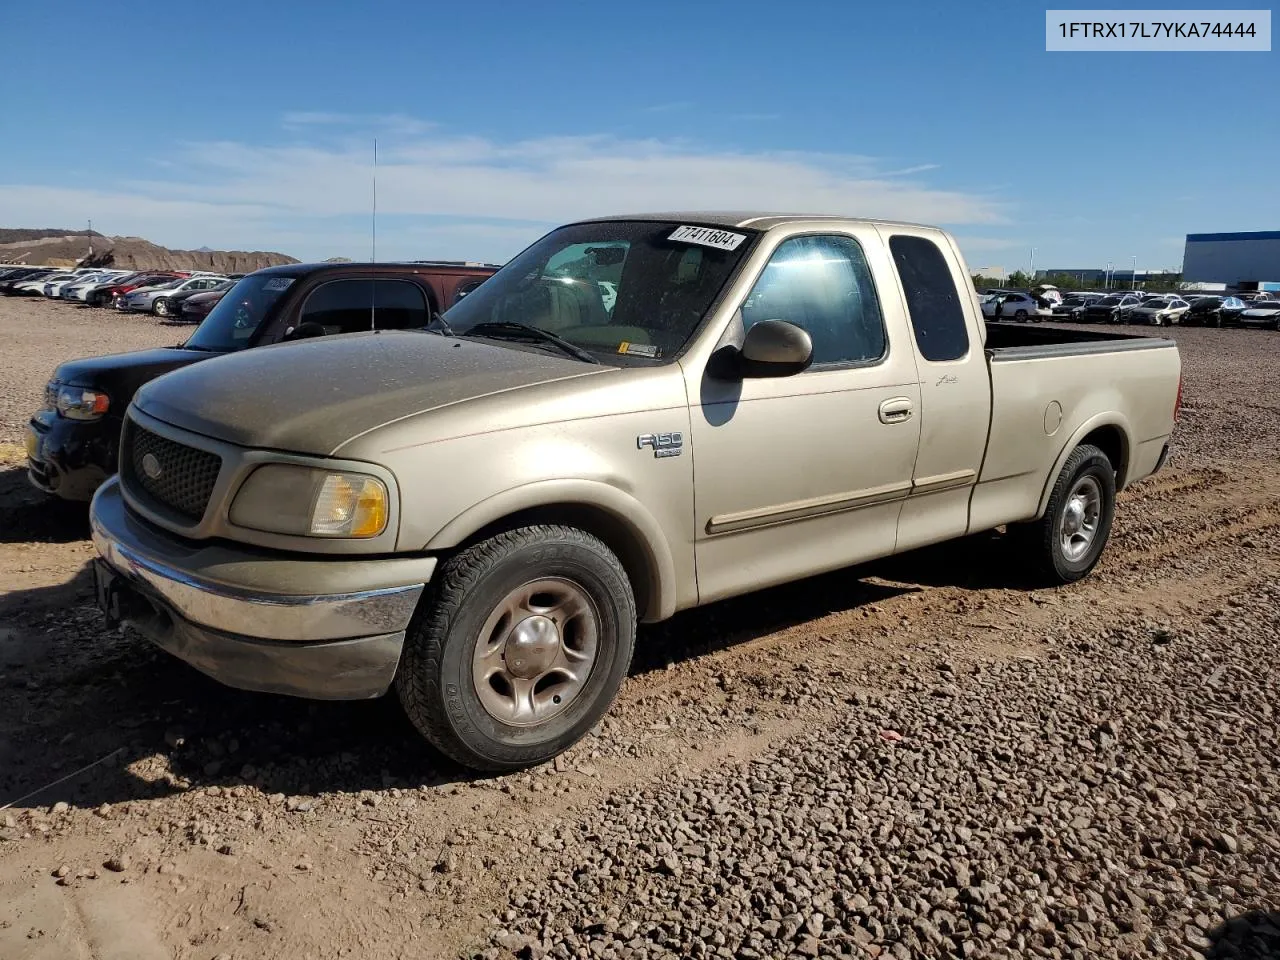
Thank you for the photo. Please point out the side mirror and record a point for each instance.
(774, 348)
(304, 330)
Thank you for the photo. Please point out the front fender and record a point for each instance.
(645, 532)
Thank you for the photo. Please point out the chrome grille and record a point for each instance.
(181, 478)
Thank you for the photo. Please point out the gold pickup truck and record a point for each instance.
(635, 416)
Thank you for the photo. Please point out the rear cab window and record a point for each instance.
(933, 302)
(351, 305)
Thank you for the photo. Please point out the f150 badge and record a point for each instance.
(663, 444)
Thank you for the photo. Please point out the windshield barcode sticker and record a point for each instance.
(709, 237)
(278, 283)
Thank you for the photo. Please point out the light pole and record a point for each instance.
(1107, 286)
(1135, 273)
(1033, 266)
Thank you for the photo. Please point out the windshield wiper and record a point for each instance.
(515, 330)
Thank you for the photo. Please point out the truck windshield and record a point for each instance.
(235, 318)
(634, 289)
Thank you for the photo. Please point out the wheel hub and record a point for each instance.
(536, 651)
(1074, 517)
(531, 647)
(1081, 516)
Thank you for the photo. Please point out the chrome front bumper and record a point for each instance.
(254, 619)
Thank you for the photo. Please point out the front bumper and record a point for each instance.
(257, 619)
(71, 458)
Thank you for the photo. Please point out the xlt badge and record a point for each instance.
(663, 444)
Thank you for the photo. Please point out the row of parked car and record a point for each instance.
(175, 295)
(1135, 307)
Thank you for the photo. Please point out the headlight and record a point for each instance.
(79, 403)
(307, 502)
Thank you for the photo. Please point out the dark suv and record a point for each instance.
(73, 441)
(1111, 309)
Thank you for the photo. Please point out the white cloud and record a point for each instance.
(488, 197)
(908, 171)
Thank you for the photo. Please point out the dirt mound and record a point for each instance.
(18, 235)
(69, 248)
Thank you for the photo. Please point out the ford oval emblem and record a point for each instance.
(151, 466)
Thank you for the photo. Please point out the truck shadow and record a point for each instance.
(28, 515)
(73, 693)
(1250, 936)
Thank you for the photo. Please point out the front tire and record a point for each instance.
(162, 307)
(1066, 543)
(1020, 316)
(519, 647)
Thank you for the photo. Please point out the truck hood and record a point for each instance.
(312, 396)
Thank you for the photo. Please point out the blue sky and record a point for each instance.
(249, 126)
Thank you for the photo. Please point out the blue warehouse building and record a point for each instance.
(1243, 260)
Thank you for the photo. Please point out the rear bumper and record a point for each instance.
(240, 616)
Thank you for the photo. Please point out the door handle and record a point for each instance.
(896, 410)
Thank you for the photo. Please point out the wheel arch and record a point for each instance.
(1110, 433)
(602, 510)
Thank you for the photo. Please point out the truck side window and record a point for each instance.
(932, 300)
(399, 305)
(822, 284)
(340, 306)
(465, 288)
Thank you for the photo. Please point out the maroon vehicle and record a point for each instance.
(106, 296)
(197, 306)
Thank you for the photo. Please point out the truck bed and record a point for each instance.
(1022, 341)
(1052, 389)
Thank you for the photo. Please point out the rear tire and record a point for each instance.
(461, 679)
(1020, 316)
(1066, 543)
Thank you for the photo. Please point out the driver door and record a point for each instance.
(799, 474)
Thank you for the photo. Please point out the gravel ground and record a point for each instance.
(38, 334)
(920, 758)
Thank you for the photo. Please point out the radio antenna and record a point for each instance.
(373, 253)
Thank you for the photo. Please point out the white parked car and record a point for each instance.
(76, 290)
(155, 299)
(1014, 306)
(52, 287)
(1159, 311)
(36, 287)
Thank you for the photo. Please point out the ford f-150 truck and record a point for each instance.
(635, 416)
